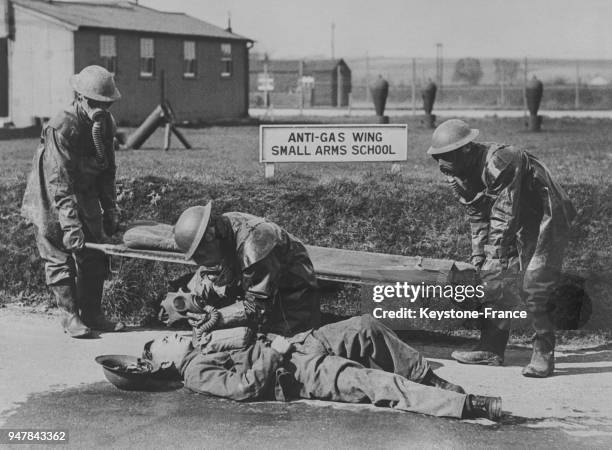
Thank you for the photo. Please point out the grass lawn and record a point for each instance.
(356, 206)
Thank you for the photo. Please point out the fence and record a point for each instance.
(499, 84)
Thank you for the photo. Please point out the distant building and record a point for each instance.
(327, 82)
(598, 81)
(42, 43)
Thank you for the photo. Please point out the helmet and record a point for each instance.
(125, 371)
(190, 227)
(131, 373)
(96, 83)
(451, 135)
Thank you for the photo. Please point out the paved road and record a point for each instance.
(49, 380)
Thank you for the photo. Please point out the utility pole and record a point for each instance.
(333, 41)
(367, 70)
(439, 68)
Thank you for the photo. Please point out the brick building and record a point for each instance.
(200, 68)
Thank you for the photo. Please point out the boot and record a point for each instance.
(481, 406)
(431, 379)
(90, 290)
(98, 322)
(489, 350)
(542, 363)
(70, 321)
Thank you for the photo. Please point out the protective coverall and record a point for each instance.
(355, 361)
(267, 268)
(70, 189)
(520, 221)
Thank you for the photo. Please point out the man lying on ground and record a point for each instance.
(354, 361)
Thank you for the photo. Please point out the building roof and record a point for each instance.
(293, 65)
(123, 15)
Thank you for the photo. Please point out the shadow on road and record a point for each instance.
(99, 415)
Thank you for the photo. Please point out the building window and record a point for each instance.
(147, 57)
(226, 60)
(108, 52)
(189, 57)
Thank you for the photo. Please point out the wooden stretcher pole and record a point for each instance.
(153, 255)
(344, 266)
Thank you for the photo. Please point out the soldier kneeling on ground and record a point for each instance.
(253, 271)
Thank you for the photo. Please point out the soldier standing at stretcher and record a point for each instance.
(265, 276)
(520, 220)
(70, 197)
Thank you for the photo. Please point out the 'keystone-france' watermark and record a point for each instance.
(403, 304)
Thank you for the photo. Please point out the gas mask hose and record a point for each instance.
(97, 133)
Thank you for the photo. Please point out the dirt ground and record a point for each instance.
(39, 359)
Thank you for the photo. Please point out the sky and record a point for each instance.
(576, 29)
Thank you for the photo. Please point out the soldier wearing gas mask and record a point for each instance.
(520, 220)
(263, 278)
(71, 199)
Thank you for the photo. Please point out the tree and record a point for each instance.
(468, 70)
(505, 71)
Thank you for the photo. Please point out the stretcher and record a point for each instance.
(344, 266)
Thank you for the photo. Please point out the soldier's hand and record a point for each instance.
(196, 320)
(74, 240)
(281, 345)
(477, 260)
(460, 189)
(110, 222)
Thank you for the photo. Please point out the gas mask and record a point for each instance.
(98, 115)
(449, 163)
(176, 305)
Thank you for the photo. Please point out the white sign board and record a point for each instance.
(332, 143)
(265, 82)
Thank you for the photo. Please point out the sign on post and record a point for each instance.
(331, 143)
(265, 82)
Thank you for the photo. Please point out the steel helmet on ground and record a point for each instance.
(190, 228)
(96, 83)
(451, 135)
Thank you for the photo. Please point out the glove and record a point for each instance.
(196, 320)
(74, 240)
(281, 345)
(459, 188)
(494, 266)
(110, 222)
(477, 260)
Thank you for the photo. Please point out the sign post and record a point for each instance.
(331, 143)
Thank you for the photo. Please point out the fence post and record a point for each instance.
(339, 87)
(350, 102)
(414, 86)
(577, 97)
(525, 90)
(301, 86)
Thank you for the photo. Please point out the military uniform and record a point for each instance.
(70, 190)
(355, 361)
(270, 270)
(520, 221)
